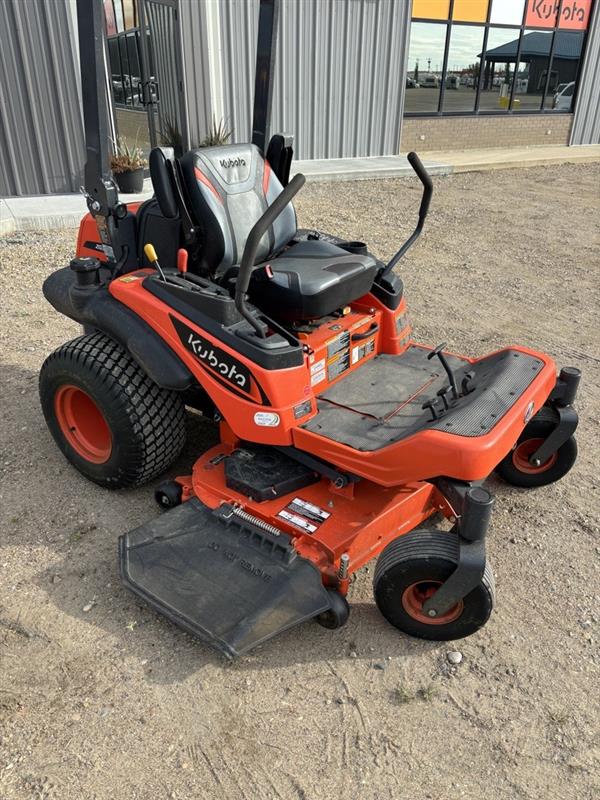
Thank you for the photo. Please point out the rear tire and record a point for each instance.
(410, 569)
(515, 468)
(114, 424)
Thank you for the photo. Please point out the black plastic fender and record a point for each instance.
(93, 306)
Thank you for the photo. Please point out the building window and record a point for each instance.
(495, 56)
(123, 50)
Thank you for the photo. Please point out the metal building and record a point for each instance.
(348, 74)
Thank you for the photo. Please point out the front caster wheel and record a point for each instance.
(411, 569)
(337, 615)
(168, 495)
(516, 469)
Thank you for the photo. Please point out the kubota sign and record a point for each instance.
(574, 15)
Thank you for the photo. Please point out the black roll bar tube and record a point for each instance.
(425, 178)
(251, 248)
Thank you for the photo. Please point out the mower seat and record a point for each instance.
(228, 189)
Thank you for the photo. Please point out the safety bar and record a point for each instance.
(425, 178)
(251, 248)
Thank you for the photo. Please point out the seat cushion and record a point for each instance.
(311, 279)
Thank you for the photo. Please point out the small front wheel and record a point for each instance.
(516, 469)
(338, 613)
(411, 569)
(169, 495)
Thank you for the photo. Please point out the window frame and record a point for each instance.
(449, 23)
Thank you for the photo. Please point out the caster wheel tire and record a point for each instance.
(410, 570)
(338, 614)
(114, 424)
(168, 495)
(516, 469)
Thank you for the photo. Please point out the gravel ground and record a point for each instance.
(100, 698)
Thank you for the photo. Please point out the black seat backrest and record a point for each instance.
(161, 172)
(228, 189)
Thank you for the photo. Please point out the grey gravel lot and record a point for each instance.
(100, 698)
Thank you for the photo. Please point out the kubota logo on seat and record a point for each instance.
(221, 364)
(228, 163)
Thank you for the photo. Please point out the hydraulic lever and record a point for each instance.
(425, 178)
(438, 351)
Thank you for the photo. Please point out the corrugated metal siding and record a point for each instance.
(41, 131)
(586, 120)
(164, 35)
(195, 64)
(339, 85)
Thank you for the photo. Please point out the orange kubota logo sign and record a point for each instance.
(543, 14)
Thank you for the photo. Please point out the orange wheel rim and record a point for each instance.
(415, 596)
(83, 424)
(523, 452)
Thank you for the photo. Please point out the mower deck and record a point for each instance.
(219, 577)
(382, 402)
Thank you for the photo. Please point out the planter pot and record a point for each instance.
(130, 182)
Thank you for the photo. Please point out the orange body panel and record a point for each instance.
(419, 457)
(361, 522)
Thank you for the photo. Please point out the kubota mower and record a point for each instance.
(340, 436)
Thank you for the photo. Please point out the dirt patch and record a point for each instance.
(100, 698)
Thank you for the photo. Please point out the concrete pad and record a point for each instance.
(46, 212)
(7, 221)
(515, 157)
(368, 168)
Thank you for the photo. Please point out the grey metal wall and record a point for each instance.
(339, 85)
(586, 120)
(195, 68)
(41, 130)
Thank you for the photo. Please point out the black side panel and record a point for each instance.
(95, 308)
(223, 580)
(282, 358)
(165, 234)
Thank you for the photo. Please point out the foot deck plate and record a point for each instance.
(225, 581)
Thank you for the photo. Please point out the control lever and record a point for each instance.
(182, 260)
(432, 406)
(150, 253)
(465, 388)
(437, 351)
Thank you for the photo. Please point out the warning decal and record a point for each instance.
(304, 515)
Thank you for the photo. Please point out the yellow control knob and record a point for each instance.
(150, 253)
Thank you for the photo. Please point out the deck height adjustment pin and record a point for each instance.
(344, 564)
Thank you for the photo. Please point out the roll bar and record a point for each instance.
(251, 248)
(425, 178)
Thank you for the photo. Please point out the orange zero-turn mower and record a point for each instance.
(340, 436)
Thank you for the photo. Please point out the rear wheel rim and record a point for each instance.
(415, 596)
(522, 453)
(82, 424)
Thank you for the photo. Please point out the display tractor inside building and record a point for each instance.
(340, 435)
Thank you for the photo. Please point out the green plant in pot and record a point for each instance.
(127, 164)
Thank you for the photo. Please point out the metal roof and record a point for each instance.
(537, 43)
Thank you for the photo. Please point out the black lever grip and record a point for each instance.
(425, 178)
(259, 230)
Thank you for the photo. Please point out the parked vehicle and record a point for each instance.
(430, 82)
(452, 82)
(563, 100)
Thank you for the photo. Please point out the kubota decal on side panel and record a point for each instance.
(221, 364)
